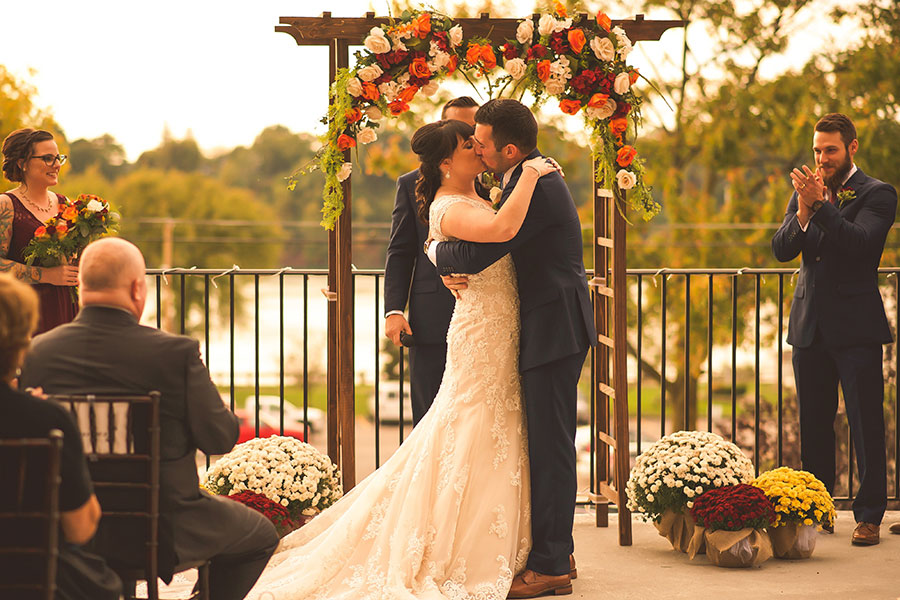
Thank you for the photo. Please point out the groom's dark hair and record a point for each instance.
(511, 123)
(834, 122)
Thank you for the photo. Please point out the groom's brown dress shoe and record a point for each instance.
(895, 528)
(865, 534)
(573, 572)
(530, 584)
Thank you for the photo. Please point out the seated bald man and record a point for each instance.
(106, 351)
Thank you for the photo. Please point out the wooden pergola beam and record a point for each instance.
(320, 31)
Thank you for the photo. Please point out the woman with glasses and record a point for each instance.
(32, 159)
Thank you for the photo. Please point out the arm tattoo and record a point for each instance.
(17, 270)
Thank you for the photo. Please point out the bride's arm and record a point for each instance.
(471, 224)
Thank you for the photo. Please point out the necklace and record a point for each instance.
(32, 203)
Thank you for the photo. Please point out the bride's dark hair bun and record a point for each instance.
(433, 143)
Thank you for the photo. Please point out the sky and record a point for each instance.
(215, 69)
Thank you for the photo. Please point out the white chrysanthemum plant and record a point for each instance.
(671, 473)
(283, 469)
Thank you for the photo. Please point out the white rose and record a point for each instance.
(622, 83)
(369, 73)
(625, 179)
(495, 194)
(366, 135)
(344, 172)
(546, 25)
(404, 79)
(525, 31)
(603, 48)
(354, 87)
(622, 41)
(456, 35)
(516, 68)
(604, 112)
(94, 206)
(376, 42)
(430, 88)
(440, 60)
(389, 89)
(555, 86)
(373, 113)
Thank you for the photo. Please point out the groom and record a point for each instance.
(557, 330)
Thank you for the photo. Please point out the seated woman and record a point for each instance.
(79, 574)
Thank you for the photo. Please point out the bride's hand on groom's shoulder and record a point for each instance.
(544, 165)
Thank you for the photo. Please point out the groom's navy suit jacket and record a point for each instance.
(555, 307)
(838, 286)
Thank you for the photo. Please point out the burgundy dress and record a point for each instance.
(57, 305)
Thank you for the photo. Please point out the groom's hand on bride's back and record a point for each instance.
(455, 283)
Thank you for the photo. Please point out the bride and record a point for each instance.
(447, 516)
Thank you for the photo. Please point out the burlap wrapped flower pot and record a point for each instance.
(738, 549)
(793, 540)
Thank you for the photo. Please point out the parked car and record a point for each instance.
(389, 403)
(267, 427)
(293, 415)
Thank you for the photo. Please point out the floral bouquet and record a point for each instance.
(674, 471)
(730, 523)
(61, 239)
(275, 512)
(801, 504)
(285, 470)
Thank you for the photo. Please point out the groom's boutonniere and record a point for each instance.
(845, 195)
(495, 194)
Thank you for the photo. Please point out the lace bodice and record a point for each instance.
(447, 517)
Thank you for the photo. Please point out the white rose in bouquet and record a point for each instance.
(366, 135)
(354, 87)
(373, 113)
(369, 72)
(625, 179)
(516, 68)
(546, 24)
(525, 32)
(455, 35)
(94, 206)
(603, 48)
(602, 112)
(376, 42)
(622, 83)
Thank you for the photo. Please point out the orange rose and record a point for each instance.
(625, 156)
(604, 21)
(70, 214)
(398, 107)
(62, 229)
(618, 126)
(570, 107)
(487, 56)
(419, 68)
(40, 231)
(560, 10)
(345, 142)
(353, 115)
(408, 93)
(422, 25)
(370, 91)
(598, 100)
(451, 66)
(576, 39)
(473, 53)
(543, 70)
(633, 76)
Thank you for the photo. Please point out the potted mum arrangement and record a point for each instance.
(287, 472)
(674, 471)
(801, 504)
(731, 523)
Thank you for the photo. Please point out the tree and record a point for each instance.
(103, 152)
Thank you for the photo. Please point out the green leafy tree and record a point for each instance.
(103, 152)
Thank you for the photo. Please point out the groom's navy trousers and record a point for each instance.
(557, 330)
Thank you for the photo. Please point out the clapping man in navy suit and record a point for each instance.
(557, 331)
(838, 218)
(411, 280)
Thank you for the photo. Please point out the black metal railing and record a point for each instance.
(706, 351)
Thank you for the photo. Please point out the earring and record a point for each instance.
(446, 174)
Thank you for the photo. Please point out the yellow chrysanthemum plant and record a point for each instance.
(797, 496)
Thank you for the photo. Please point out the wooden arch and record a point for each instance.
(608, 284)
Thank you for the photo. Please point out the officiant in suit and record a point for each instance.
(838, 219)
(106, 351)
(410, 280)
(557, 331)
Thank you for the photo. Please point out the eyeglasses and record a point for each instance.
(49, 159)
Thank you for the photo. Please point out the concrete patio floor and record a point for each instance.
(650, 569)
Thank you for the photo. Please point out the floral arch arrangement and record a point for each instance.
(579, 63)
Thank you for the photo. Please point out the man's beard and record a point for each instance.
(833, 182)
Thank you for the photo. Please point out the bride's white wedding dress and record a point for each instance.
(448, 515)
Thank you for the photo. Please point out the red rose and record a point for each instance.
(558, 43)
(345, 142)
(398, 107)
(536, 51)
(509, 51)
